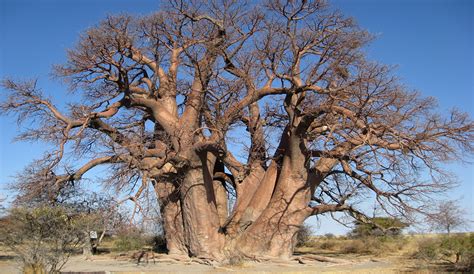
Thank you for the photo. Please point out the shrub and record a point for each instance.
(236, 261)
(378, 226)
(329, 236)
(129, 239)
(42, 237)
(373, 245)
(457, 250)
(127, 243)
(354, 246)
(303, 236)
(328, 244)
(428, 249)
(158, 242)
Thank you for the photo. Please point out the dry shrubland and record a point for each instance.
(363, 245)
(438, 252)
(456, 251)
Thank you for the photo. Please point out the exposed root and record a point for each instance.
(183, 259)
(294, 260)
(173, 257)
(311, 257)
(224, 268)
(299, 260)
(204, 261)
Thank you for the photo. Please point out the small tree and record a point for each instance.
(448, 215)
(43, 237)
(304, 235)
(378, 226)
(96, 212)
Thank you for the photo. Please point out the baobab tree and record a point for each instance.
(165, 95)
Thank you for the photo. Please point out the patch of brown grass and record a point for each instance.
(367, 245)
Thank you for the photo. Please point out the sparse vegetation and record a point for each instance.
(129, 239)
(427, 249)
(380, 237)
(363, 245)
(455, 250)
(432, 252)
(43, 238)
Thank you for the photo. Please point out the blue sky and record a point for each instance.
(431, 42)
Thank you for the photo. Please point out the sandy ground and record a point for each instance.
(111, 265)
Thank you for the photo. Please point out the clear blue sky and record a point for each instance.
(431, 41)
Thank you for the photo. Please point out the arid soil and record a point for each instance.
(109, 264)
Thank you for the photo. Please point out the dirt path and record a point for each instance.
(110, 265)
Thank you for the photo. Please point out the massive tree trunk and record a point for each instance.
(270, 207)
(242, 208)
(170, 208)
(273, 232)
(200, 214)
(199, 227)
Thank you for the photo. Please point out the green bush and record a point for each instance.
(127, 243)
(457, 250)
(378, 226)
(130, 239)
(428, 249)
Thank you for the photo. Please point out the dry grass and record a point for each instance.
(407, 253)
(366, 245)
(399, 254)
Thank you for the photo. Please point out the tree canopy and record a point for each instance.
(378, 226)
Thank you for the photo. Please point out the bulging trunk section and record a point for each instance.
(271, 206)
(262, 196)
(245, 194)
(218, 178)
(200, 216)
(273, 233)
(170, 208)
(221, 201)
